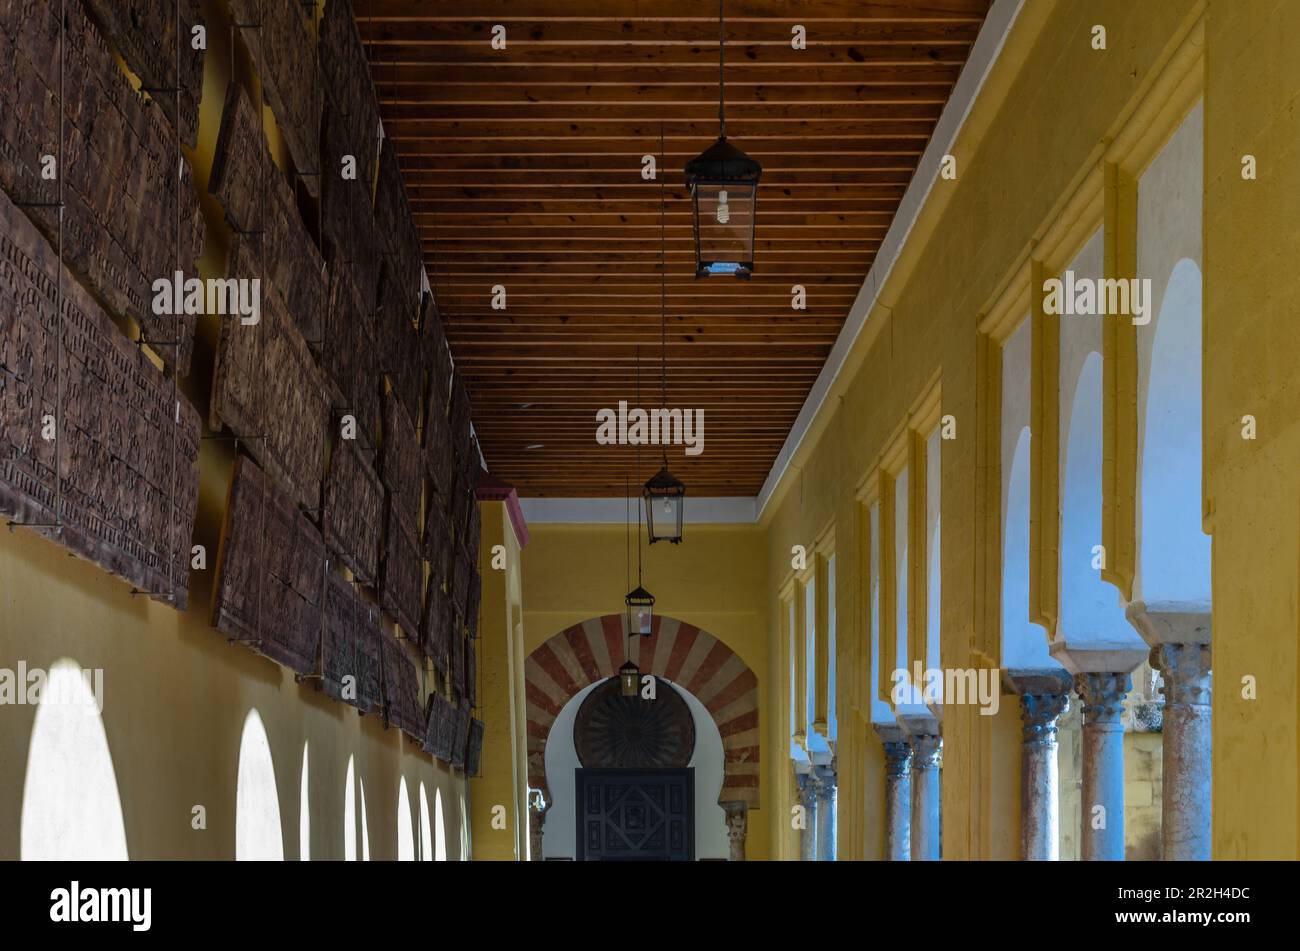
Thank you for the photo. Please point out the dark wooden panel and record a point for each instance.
(400, 570)
(270, 572)
(457, 672)
(460, 737)
(400, 463)
(472, 601)
(283, 48)
(471, 674)
(128, 217)
(402, 706)
(473, 529)
(259, 201)
(354, 506)
(350, 649)
(124, 441)
(438, 545)
(350, 93)
(347, 219)
(402, 359)
(369, 661)
(145, 34)
(461, 570)
(396, 227)
(474, 751)
(349, 358)
(440, 727)
(267, 389)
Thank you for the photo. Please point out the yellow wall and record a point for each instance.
(176, 694)
(714, 580)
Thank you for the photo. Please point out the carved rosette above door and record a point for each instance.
(613, 731)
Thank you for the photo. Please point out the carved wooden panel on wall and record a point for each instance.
(474, 751)
(145, 33)
(128, 217)
(402, 250)
(457, 661)
(460, 737)
(283, 48)
(370, 664)
(461, 569)
(347, 220)
(354, 507)
(440, 728)
(402, 706)
(436, 627)
(471, 674)
(474, 530)
(400, 570)
(350, 90)
(348, 357)
(399, 463)
(270, 572)
(401, 359)
(437, 543)
(439, 459)
(267, 389)
(472, 601)
(350, 646)
(257, 197)
(124, 441)
(460, 420)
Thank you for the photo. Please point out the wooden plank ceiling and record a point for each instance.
(524, 169)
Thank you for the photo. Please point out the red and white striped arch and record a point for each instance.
(678, 652)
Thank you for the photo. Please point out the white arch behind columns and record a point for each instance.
(439, 828)
(350, 813)
(560, 832)
(304, 811)
(426, 833)
(405, 827)
(258, 833)
(1173, 563)
(71, 808)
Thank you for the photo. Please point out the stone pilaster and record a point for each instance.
(1103, 694)
(1040, 829)
(737, 828)
(826, 791)
(898, 794)
(1179, 635)
(926, 753)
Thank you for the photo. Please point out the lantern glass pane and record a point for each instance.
(726, 222)
(641, 620)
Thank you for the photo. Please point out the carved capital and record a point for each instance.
(1039, 713)
(1103, 697)
(927, 751)
(1186, 672)
(737, 827)
(807, 784)
(898, 759)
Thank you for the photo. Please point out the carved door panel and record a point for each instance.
(635, 815)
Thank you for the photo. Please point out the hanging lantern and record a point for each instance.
(665, 498)
(640, 612)
(630, 677)
(724, 194)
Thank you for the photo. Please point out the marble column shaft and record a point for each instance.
(826, 790)
(898, 801)
(1186, 780)
(1103, 764)
(926, 749)
(808, 836)
(1039, 784)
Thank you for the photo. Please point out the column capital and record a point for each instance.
(1103, 695)
(927, 751)
(1186, 672)
(807, 784)
(737, 827)
(898, 758)
(1039, 713)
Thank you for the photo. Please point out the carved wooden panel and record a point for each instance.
(350, 652)
(399, 463)
(402, 706)
(474, 751)
(461, 569)
(460, 737)
(437, 359)
(457, 672)
(145, 34)
(283, 48)
(471, 674)
(439, 459)
(347, 219)
(348, 357)
(402, 250)
(123, 441)
(400, 571)
(612, 730)
(349, 88)
(436, 626)
(267, 389)
(128, 218)
(458, 506)
(440, 728)
(472, 601)
(259, 201)
(438, 545)
(270, 572)
(370, 664)
(460, 419)
(354, 506)
(474, 531)
(402, 360)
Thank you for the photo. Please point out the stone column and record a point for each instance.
(737, 828)
(898, 793)
(1040, 826)
(537, 807)
(1103, 694)
(1185, 785)
(826, 791)
(926, 751)
(808, 799)
(1179, 635)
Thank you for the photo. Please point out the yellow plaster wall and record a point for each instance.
(714, 580)
(176, 693)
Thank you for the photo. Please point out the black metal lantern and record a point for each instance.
(630, 677)
(640, 612)
(665, 498)
(724, 194)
